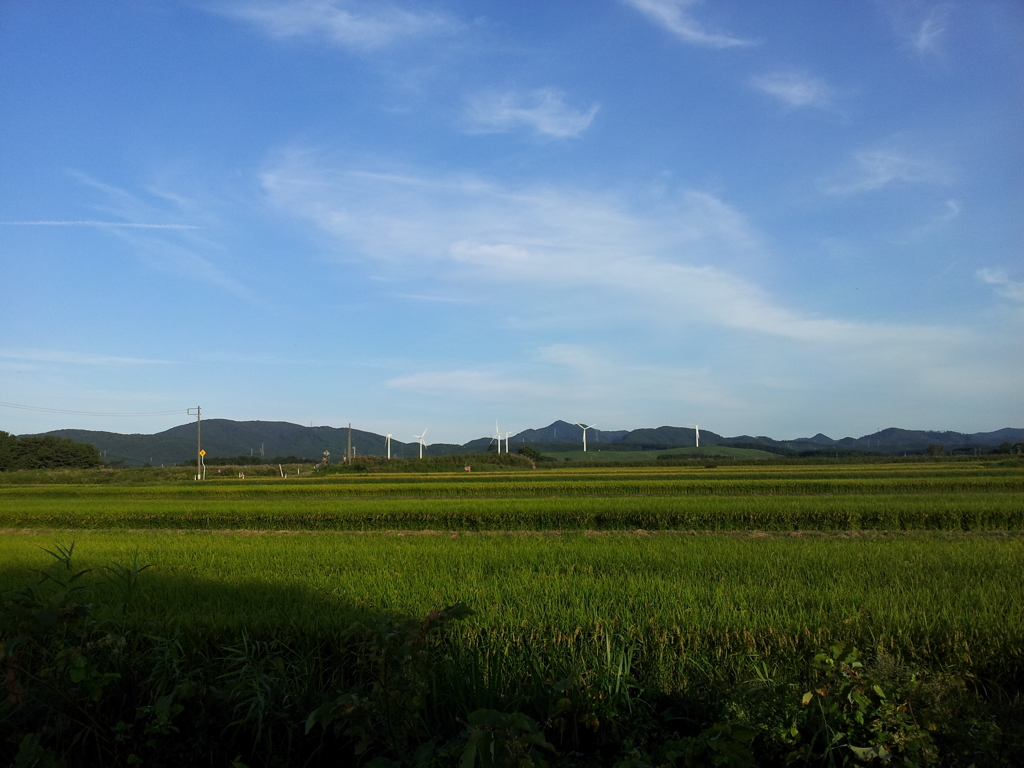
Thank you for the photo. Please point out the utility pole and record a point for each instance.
(199, 440)
(348, 455)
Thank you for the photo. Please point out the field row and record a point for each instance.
(544, 486)
(682, 599)
(921, 511)
(230, 644)
(230, 610)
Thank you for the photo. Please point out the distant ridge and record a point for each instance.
(227, 438)
(223, 437)
(564, 432)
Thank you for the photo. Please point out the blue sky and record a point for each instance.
(768, 218)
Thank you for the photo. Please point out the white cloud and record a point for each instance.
(675, 16)
(878, 168)
(543, 110)
(928, 36)
(598, 376)
(661, 265)
(950, 212)
(183, 260)
(121, 224)
(435, 299)
(574, 378)
(356, 25)
(795, 89)
(176, 249)
(572, 356)
(1005, 287)
(920, 25)
(74, 358)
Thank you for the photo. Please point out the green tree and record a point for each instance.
(45, 452)
(530, 453)
(8, 450)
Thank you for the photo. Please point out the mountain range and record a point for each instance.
(270, 439)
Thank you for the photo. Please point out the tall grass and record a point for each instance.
(616, 622)
(685, 601)
(537, 486)
(271, 511)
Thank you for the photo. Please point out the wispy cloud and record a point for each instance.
(677, 18)
(878, 168)
(1004, 286)
(468, 383)
(185, 260)
(950, 212)
(74, 358)
(119, 224)
(659, 264)
(920, 25)
(930, 32)
(574, 378)
(356, 25)
(794, 89)
(543, 110)
(597, 376)
(176, 249)
(437, 299)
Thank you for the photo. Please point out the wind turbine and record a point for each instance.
(497, 435)
(420, 438)
(387, 443)
(506, 441)
(696, 432)
(585, 428)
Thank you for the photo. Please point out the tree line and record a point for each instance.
(46, 452)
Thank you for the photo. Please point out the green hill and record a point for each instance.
(224, 438)
(711, 451)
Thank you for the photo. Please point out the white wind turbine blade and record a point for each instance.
(585, 428)
(422, 443)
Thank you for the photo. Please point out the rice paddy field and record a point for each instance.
(654, 591)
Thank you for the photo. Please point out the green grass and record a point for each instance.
(949, 599)
(921, 563)
(974, 497)
(913, 591)
(413, 470)
(540, 485)
(921, 511)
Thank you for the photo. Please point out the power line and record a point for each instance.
(89, 413)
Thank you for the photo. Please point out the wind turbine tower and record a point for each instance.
(696, 433)
(387, 443)
(420, 438)
(585, 428)
(506, 441)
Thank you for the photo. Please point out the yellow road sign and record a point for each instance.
(202, 452)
